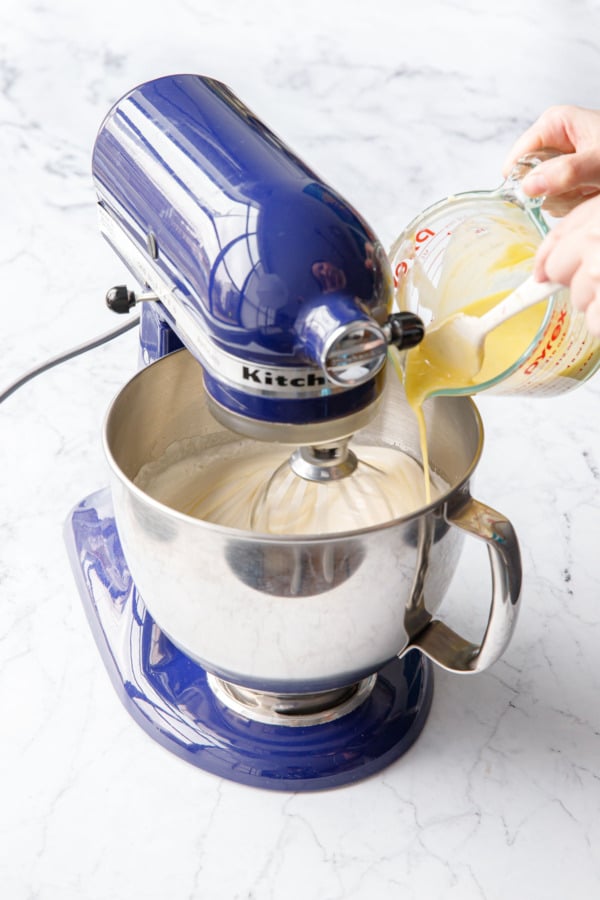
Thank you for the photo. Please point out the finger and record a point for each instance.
(560, 255)
(549, 131)
(583, 288)
(584, 220)
(543, 252)
(571, 172)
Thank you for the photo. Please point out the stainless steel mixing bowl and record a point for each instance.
(310, 613)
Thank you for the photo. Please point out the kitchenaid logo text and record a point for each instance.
(549, 347)
(271, 379)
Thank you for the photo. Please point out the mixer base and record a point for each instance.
(169, 696)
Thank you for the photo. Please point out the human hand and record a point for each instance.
(570, 254)
(572, 177)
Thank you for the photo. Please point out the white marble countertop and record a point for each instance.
(396, 106)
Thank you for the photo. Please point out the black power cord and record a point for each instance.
(69, 354)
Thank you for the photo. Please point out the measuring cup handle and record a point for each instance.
(511, 188)
(443, 645)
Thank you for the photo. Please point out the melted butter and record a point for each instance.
(513, 255)
(425, 375)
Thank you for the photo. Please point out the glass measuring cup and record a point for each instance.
(481, 244)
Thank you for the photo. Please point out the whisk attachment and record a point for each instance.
(319, 489)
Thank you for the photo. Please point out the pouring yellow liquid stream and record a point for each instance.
(423, 377)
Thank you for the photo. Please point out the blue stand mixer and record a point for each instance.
(282, 293)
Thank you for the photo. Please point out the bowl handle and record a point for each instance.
(443, 645)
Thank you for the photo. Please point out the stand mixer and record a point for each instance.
(276, 296)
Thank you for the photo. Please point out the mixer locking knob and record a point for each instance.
(404, 329)
(120, 299)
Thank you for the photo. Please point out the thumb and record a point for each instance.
(569, 172)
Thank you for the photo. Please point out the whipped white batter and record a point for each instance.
(231, 485)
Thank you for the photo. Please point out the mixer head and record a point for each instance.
(270, 279)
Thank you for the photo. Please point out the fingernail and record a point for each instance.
(535, 184)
